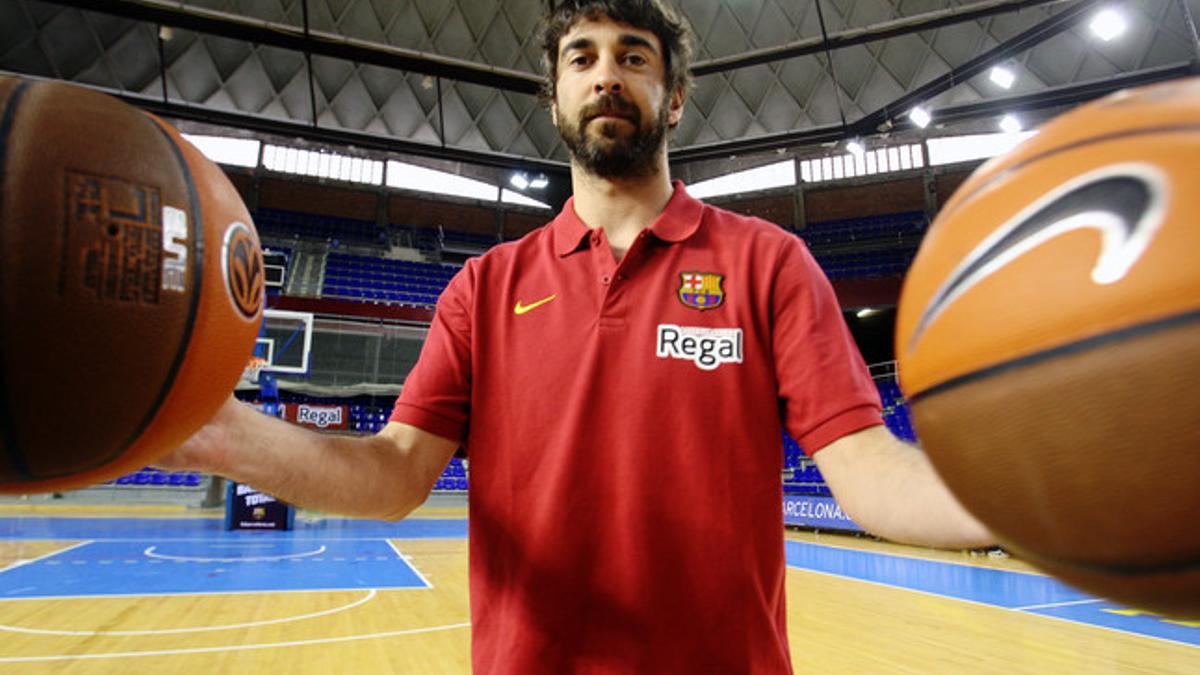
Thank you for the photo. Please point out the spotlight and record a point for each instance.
(1003, 77)
(855, 147)
(519, 181)
(540, 182)
(1010, 124)
(919, 117)
(1107, 24)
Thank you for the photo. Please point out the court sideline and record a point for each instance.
(112, 589)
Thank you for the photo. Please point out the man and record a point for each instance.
(619, 378)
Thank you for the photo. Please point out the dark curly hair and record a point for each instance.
(655, 16)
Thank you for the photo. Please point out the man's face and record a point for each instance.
(611, 106)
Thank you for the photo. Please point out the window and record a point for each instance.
(779, 174)
(225, 150)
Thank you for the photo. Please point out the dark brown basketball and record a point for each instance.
(132, 284)
(1049, 342)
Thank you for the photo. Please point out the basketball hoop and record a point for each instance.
(254, 368)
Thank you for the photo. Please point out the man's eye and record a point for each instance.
(635, 60)
(578, 60)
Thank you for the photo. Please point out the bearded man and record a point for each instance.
(619, 378)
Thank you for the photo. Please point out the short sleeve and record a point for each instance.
(437, 393)
(825, 389)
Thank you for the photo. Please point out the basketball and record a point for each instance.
(132, 286)
(1048, 339)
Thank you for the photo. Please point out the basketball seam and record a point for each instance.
(8, 432)
(942, 216)
(1092, 342)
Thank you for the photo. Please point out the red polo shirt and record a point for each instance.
(623, 425)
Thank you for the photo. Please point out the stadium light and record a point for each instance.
(855, 147)
(919, 117)
(1003, 77)
(540, 182)
(1107, 24)
(519, 181)
(1010, 124)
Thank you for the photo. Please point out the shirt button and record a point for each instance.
(605, 279)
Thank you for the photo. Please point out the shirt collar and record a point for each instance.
(678, 221)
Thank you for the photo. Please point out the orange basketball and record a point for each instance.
(1049, 343)
(132, 286)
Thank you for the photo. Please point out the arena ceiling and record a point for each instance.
(456, 79)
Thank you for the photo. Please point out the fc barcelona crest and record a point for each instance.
(701, 290)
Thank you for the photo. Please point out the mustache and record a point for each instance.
(611, 105)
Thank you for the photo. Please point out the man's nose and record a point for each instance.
(608, 77)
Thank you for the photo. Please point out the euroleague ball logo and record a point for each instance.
(243, 267)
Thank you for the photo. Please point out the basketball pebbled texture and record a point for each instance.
(132, 284)
(1047, 339)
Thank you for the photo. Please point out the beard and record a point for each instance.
(608, 152)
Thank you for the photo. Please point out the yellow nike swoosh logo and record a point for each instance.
(521, 309)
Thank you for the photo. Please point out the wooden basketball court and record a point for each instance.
(145, 590)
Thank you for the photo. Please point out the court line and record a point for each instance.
(917, 556)
(885, 584)
(407, 562)
(164, 631)
(149, 553)
(999, 607)
(235, 544)
(232, 648)
(220, 538)
(184, 594)
(1115, 630)
(49, 528)
(1068, 603)
(30, 561)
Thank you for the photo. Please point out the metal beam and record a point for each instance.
(1050, 98)
(237, 27)
(837, 88)
(1190, 24)
(285, 36)
(1070, 95)
(866, 34)
(1026, 40)
(299, 129)
(830, 133)
(336, 46)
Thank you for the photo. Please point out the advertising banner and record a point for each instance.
(323, 417)
(249, 509)
(818, 512)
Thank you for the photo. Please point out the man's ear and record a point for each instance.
(675, 112)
